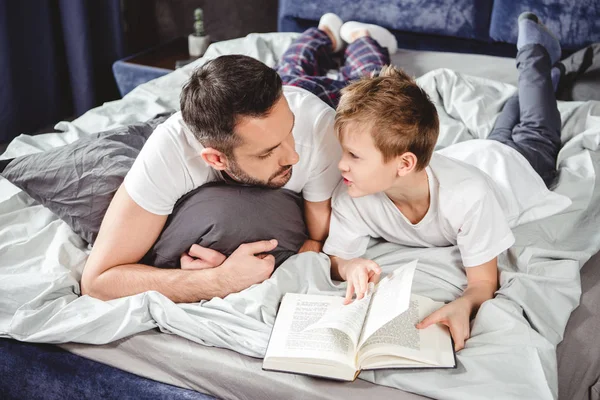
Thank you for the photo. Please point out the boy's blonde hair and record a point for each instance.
(398, 113)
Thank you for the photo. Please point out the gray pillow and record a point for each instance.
(222, 216)
(78, 181)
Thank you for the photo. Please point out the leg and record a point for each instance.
(363, 57)
(532, 31)
(328, 90)
(310, 55)
(531, 123)
(504, 129)
(538, 133)
(381, 35)
(507, 120)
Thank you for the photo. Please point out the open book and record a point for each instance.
(319, 335)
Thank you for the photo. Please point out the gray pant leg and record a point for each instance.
(537, 134)
(507, 120)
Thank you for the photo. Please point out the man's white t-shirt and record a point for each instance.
(464, 210)
(169, 165)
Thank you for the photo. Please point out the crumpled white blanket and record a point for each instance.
(511, 352)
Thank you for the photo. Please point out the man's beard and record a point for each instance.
(276, 181)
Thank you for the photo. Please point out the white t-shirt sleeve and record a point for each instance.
(157, 178)
(348, 237)
(324, 174)
(484, 233)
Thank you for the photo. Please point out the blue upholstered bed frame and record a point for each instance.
(44, 371)
(463, 26)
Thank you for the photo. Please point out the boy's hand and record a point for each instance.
(456, 316)
(359, 272)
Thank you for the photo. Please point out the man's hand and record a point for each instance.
(456, 316)
(358, 272)
(201, 258)
(247, 266)
(311, 245)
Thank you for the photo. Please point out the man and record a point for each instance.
(242, 125)
(237, 123)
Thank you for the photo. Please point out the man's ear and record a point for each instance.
(407, 163)
(214, 158)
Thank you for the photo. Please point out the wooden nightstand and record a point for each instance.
(142, 67)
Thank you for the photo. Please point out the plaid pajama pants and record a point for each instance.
(306, 62)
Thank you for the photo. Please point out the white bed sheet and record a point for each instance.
(512, 349)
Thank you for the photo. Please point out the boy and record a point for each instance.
(397, 188)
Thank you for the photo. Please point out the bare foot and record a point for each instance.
(328, 33)
(358, 34)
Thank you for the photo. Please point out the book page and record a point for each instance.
(291, 338)
(400, 338)
(391, 298)
(400, 331)
(346, 318)
(436, 341)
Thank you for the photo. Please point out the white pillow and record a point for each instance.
(523, 192)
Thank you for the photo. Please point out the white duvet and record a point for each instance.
(511, 353)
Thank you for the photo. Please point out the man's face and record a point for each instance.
(362, 165)
(267, 150)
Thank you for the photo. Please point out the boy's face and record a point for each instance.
(362, 165)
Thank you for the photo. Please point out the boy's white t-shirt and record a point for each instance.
(464, 210)
(169, 165)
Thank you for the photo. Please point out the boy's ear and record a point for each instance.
(407, 163)
(214, 158)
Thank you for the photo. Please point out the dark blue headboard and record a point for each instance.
(464, 26)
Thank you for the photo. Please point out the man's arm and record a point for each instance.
(316, 216)
(127, 233)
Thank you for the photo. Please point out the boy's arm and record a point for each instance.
(338, 272)
(482, 283)
(316, 216)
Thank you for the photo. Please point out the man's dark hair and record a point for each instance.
(223, 90)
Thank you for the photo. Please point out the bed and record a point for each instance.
(215, 347)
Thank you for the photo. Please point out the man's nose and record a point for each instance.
(291, 157)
